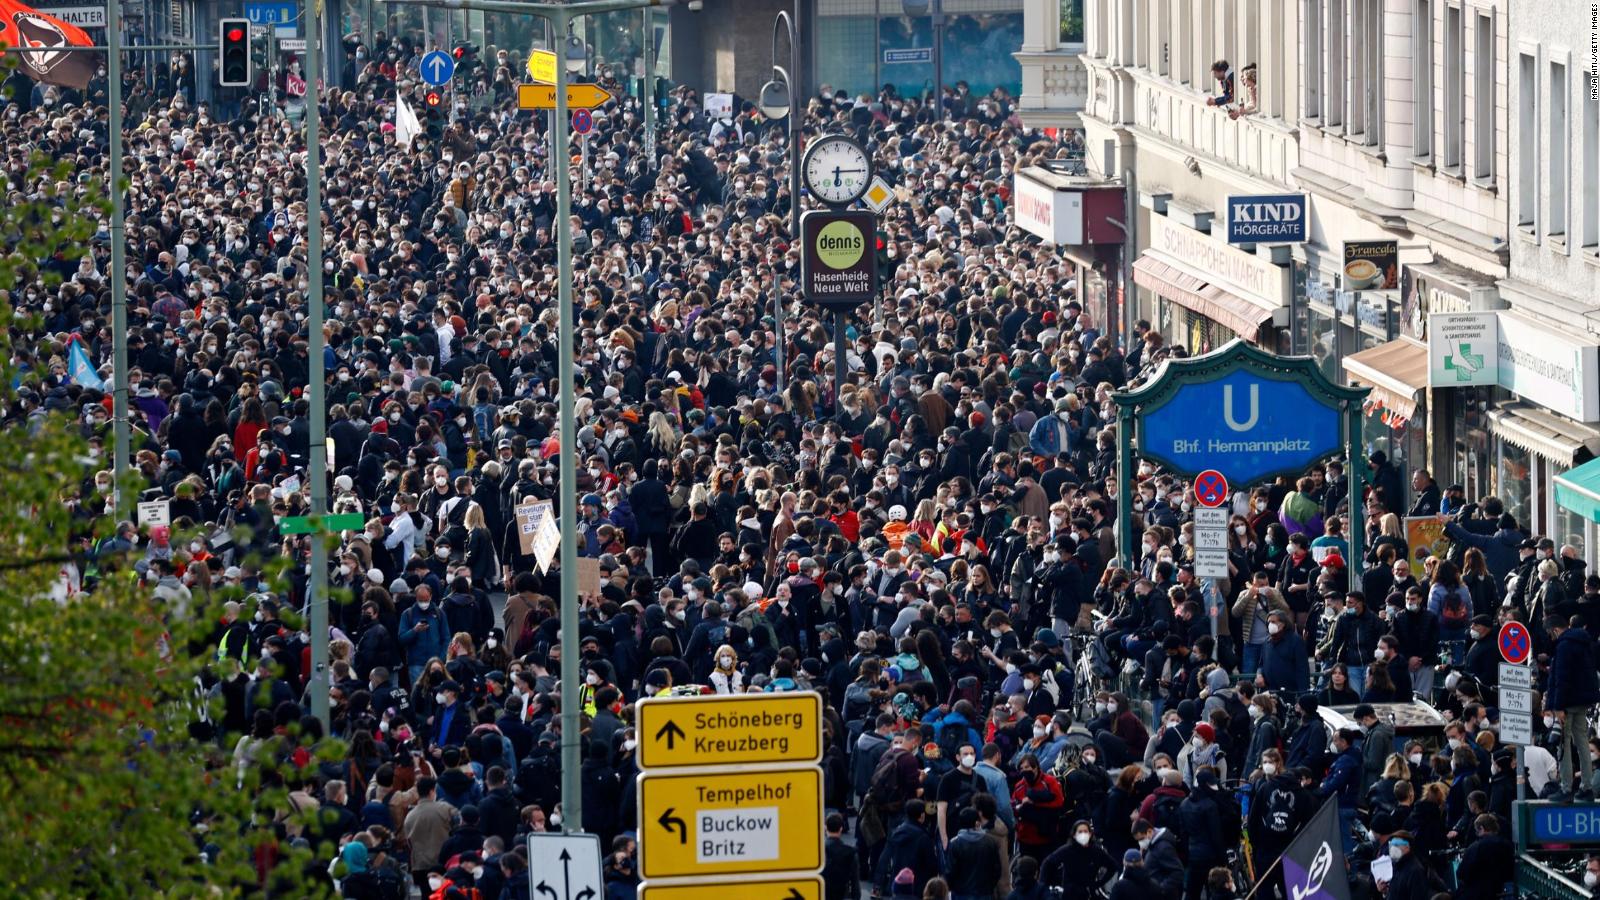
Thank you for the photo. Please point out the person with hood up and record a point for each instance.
(725, 675)
(1080, 867)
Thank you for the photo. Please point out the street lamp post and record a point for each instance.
(916, 9)
(122, 439)
(559, 16)
(317, 601)
(780, 98)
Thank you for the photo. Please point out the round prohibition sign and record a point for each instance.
(1515, 644)
(1211, 488)
(582, 121)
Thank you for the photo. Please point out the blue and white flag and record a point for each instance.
(81, 369)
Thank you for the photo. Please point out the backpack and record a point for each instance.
(884, 788)
(1165, 814)
(455, 530)
(1278, 812)
(1456, 611)
(950, 738)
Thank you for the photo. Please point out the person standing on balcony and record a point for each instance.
(1223, 73)
(1249, 94)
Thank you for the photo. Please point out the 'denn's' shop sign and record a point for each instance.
(1246, 413)
(1268, 219)
(839, 257)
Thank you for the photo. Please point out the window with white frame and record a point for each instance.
(1591, 161)
(1333, 25)
(1141, 36)
(1272, 78)
(1371, 96)
(1311, 17)
(1355, 114)
(1556, 216)
(1483, 118)
(1422, 79)
(1527, 139)
(1161, 39)
(1206, 51)
(1455, 66)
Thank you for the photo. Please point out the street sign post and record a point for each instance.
(564, 866)
(677, 732)
(838, 263)
(579, 96)
(756, 821)
(437, 68)
(1210, 534)
(799, 887)
(1516, 645)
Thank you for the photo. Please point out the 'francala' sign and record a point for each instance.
(1268, 219)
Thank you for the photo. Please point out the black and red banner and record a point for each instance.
(41, 37)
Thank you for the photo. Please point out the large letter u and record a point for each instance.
(1227, 408)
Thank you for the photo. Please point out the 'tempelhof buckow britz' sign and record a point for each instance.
(1268, 219)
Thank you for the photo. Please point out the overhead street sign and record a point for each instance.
(799, 887)
(542, 66)
(579, 96)
(1516, 646)
(678, 732)
(756, 821)
(564, 866)
(438, 67)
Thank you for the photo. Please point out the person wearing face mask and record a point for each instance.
(427, 827)
(1081, 867)
(1038, 800)
(1284, 663)
(1489, 862)
(424, 633)
(1417, 629)
(1160, 859)
(1344, 781)
(1409, 880)
(1279, 808)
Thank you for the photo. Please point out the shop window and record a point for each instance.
(1571, 529)
(1514, 482)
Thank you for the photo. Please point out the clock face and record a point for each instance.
(836, 170)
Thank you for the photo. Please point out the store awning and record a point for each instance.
(1553, 437)
(1396, 372)
(1579, 490)
(1240, 315)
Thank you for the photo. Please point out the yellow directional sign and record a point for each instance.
(800, 887)
(543, 96)
(678, 732)
(542, 66)
(755, 822)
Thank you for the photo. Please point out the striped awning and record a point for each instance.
(1240, 315)
(1397, 372)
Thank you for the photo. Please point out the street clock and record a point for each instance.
(836, 169)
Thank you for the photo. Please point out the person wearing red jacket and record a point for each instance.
(845, 518)
(1038, 801)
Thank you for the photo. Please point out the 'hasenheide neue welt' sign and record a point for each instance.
(1267, 219)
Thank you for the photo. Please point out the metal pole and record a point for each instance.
(566, 497)
(647, 93)
(318, 582)
(1356, 476)
(1129, 235)
(1125, 541)
(938, 56)
(839, 361)
(790, 80)
(122, 446)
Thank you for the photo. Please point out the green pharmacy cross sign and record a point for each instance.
(1464, 362)
(1247, 413)
(321, 524)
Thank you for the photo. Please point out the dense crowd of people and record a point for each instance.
(1016, 705)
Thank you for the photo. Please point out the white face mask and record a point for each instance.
(1273, 628)
(1549, 721)
(1396, 853)
(440, 697)
(1415, 758)
(1197, 742)
(1590, 879)
(1161, 772)
(1255, 712)
(727, 662)
(1039, 731)
(555, 820)
(629, 744)
(1011, 668)
(436, 882)
(968, 761)
(1378, 654)
(1454, 743)
(1269, 768)
(1082, 838)
(1240, 530)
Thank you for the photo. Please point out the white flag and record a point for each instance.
(406, 126)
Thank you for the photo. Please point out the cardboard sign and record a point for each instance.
(155, 512)
(588, 576)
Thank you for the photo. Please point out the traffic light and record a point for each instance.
(433, 114)
(233, 49)
(466, 57)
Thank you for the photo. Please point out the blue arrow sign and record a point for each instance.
(437, 67)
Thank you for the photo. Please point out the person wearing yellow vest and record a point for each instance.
(233, 636)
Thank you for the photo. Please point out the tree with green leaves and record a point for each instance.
(117, 782)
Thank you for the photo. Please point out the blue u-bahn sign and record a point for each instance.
(1247, 413)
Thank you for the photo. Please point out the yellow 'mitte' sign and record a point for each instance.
(800, 887)
(579, 96)
(679, 732)
(756, 821)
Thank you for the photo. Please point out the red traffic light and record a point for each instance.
(432, 98)
(460, 52)
(235, 34)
